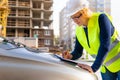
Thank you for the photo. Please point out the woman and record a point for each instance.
(96, 34)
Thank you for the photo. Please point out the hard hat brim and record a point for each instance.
(74, 12)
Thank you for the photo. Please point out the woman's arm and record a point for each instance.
(78, 50)
(106, 30)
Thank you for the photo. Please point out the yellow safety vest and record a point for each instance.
(112, 60)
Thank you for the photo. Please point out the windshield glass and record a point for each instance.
(6, 45)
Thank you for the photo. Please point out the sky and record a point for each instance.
(58, 5)
(115, 12)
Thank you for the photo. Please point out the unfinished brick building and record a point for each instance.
(30, 18)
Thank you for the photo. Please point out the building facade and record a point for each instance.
(31, 18)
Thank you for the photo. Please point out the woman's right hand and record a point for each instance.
(66, 55)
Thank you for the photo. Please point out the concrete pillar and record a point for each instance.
(16, 2)
(36, 43)
(42, 6)
(41, 24)
(31, 6)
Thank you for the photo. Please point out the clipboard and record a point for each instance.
(66, 60)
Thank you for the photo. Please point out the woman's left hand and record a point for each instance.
(85, 67)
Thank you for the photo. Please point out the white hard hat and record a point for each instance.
(76, 5)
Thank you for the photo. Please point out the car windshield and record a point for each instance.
(11, 44)
(6, 44)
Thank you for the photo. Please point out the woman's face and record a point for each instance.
(80, 18)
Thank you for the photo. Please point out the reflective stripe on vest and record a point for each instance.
(114, 43)
(112, 60)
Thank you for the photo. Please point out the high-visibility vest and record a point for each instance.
(112, 60)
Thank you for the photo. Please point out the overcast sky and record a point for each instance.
(116, 13)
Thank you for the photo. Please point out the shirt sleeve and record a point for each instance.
(77, 52)
(106, 30)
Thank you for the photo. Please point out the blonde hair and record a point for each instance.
(87, 12)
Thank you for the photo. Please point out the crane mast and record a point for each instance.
(4, 11)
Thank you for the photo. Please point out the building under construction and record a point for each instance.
(31, 18)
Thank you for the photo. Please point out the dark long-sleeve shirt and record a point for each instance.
(106, 31)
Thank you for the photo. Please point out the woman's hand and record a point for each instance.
(85, 67)
(66, 55)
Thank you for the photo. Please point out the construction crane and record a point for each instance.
(4, 10)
